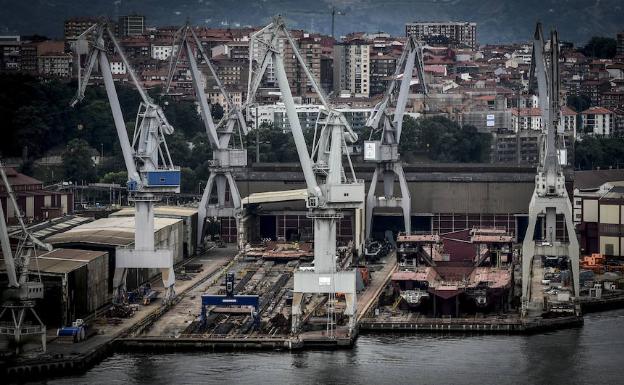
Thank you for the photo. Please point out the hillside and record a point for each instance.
(499, 20)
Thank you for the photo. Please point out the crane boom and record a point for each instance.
(550, 197)
(22, 291)
(226, 155)
(151, 172)
(385, 151)
(329, 188)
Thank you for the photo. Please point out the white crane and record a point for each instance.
(385, 152)
(227, 155)
(151, 172)
(550, 196)
(330, 189)
(22, 292)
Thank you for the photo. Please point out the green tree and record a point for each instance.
(119, 177)
(600, 47)
(578, 103)
(78, 165)
(189, 182)
(216, 111)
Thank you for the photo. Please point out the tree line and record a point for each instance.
(39, 121)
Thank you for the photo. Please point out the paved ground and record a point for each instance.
(185, 311)
(537, 289)
(212, 261)
(379, 280)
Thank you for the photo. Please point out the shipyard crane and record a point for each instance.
(22, 291)
(151, 172)
(550, 196)
(330, 188)
(385, 151)
(227, 155)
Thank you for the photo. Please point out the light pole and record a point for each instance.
(199, 187)
(257, 138)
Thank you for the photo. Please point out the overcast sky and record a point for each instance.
(498, 20)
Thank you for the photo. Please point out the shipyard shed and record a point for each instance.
(75, 283)
(110, 234)
(188, 215)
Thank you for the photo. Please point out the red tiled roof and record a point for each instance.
(597, 110)
(18, 179)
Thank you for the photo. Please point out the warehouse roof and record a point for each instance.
(178, 211)
(276, 196)
(60, 261)
(116, 231)
(596, 178)
(54, 226)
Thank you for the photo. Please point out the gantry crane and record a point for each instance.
(385, 151)
(226, 153)
(550, 196)
(22, 292)
(330, 189)
(151, 172)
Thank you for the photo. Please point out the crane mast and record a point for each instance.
(550, 196)
(385, 151)
(330, 188)
(22, 292)
(227, 155)
(151, 172)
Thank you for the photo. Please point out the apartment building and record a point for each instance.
(450, 33)
(597, 121)
(352, 67)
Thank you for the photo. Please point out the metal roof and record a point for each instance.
(178, 211)
(276, 196)
(60, 261)
(56, 225)
(596, 178)
(116, 231)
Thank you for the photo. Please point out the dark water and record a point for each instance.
(593, 354)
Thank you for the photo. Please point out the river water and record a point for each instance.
(593, 354)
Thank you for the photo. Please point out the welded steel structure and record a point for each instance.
(227, 153)
(550, 196)
(385, 151)
(151, 172)
(330, 187)
(22, 291)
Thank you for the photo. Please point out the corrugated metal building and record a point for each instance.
(109, 234)
(188, 215)
(75, 283)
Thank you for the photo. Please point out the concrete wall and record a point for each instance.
(609, 214)
(590, 210)
(484, 190)
(615, 241)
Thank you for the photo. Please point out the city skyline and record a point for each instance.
(499, 21)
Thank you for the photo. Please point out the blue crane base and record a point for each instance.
(230, 300)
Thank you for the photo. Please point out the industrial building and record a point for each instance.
(444, 198)
(75, 283)
(113, 234)
(36, 204)
(188, 215)
(598, 204)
